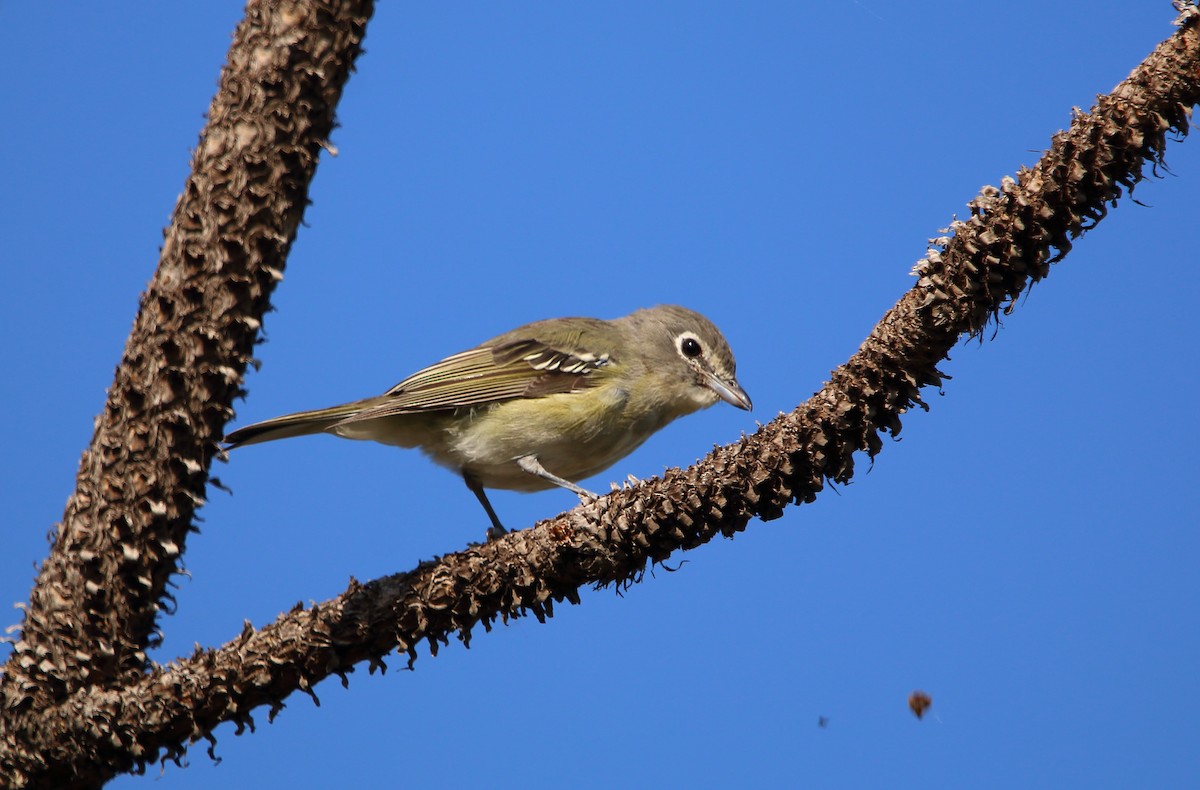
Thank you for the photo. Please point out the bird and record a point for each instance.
(546, 404)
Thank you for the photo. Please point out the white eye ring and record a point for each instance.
(689, 345)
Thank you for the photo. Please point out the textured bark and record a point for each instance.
(93, 612)
(1010, 239)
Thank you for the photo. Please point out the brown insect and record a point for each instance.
(919, 702)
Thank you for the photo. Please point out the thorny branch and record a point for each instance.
(83, 731)
(93, 612)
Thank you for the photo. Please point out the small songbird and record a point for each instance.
(544, 405)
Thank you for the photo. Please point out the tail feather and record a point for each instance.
(302, 423)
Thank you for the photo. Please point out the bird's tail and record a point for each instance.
(302, 423)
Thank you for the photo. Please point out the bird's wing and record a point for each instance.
(504, 369)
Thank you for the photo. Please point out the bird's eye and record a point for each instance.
(690, 347)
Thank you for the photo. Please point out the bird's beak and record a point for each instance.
(729, 391)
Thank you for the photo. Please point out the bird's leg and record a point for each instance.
(533, 466)
(497, 529)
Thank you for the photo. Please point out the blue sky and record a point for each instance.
(1026, 553)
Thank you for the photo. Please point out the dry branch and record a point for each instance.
(93, 612)
(85, 734)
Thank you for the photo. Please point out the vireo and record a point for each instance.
(544, 405)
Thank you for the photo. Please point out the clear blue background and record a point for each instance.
(1027, 553)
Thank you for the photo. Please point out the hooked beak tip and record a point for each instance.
(731, 392)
